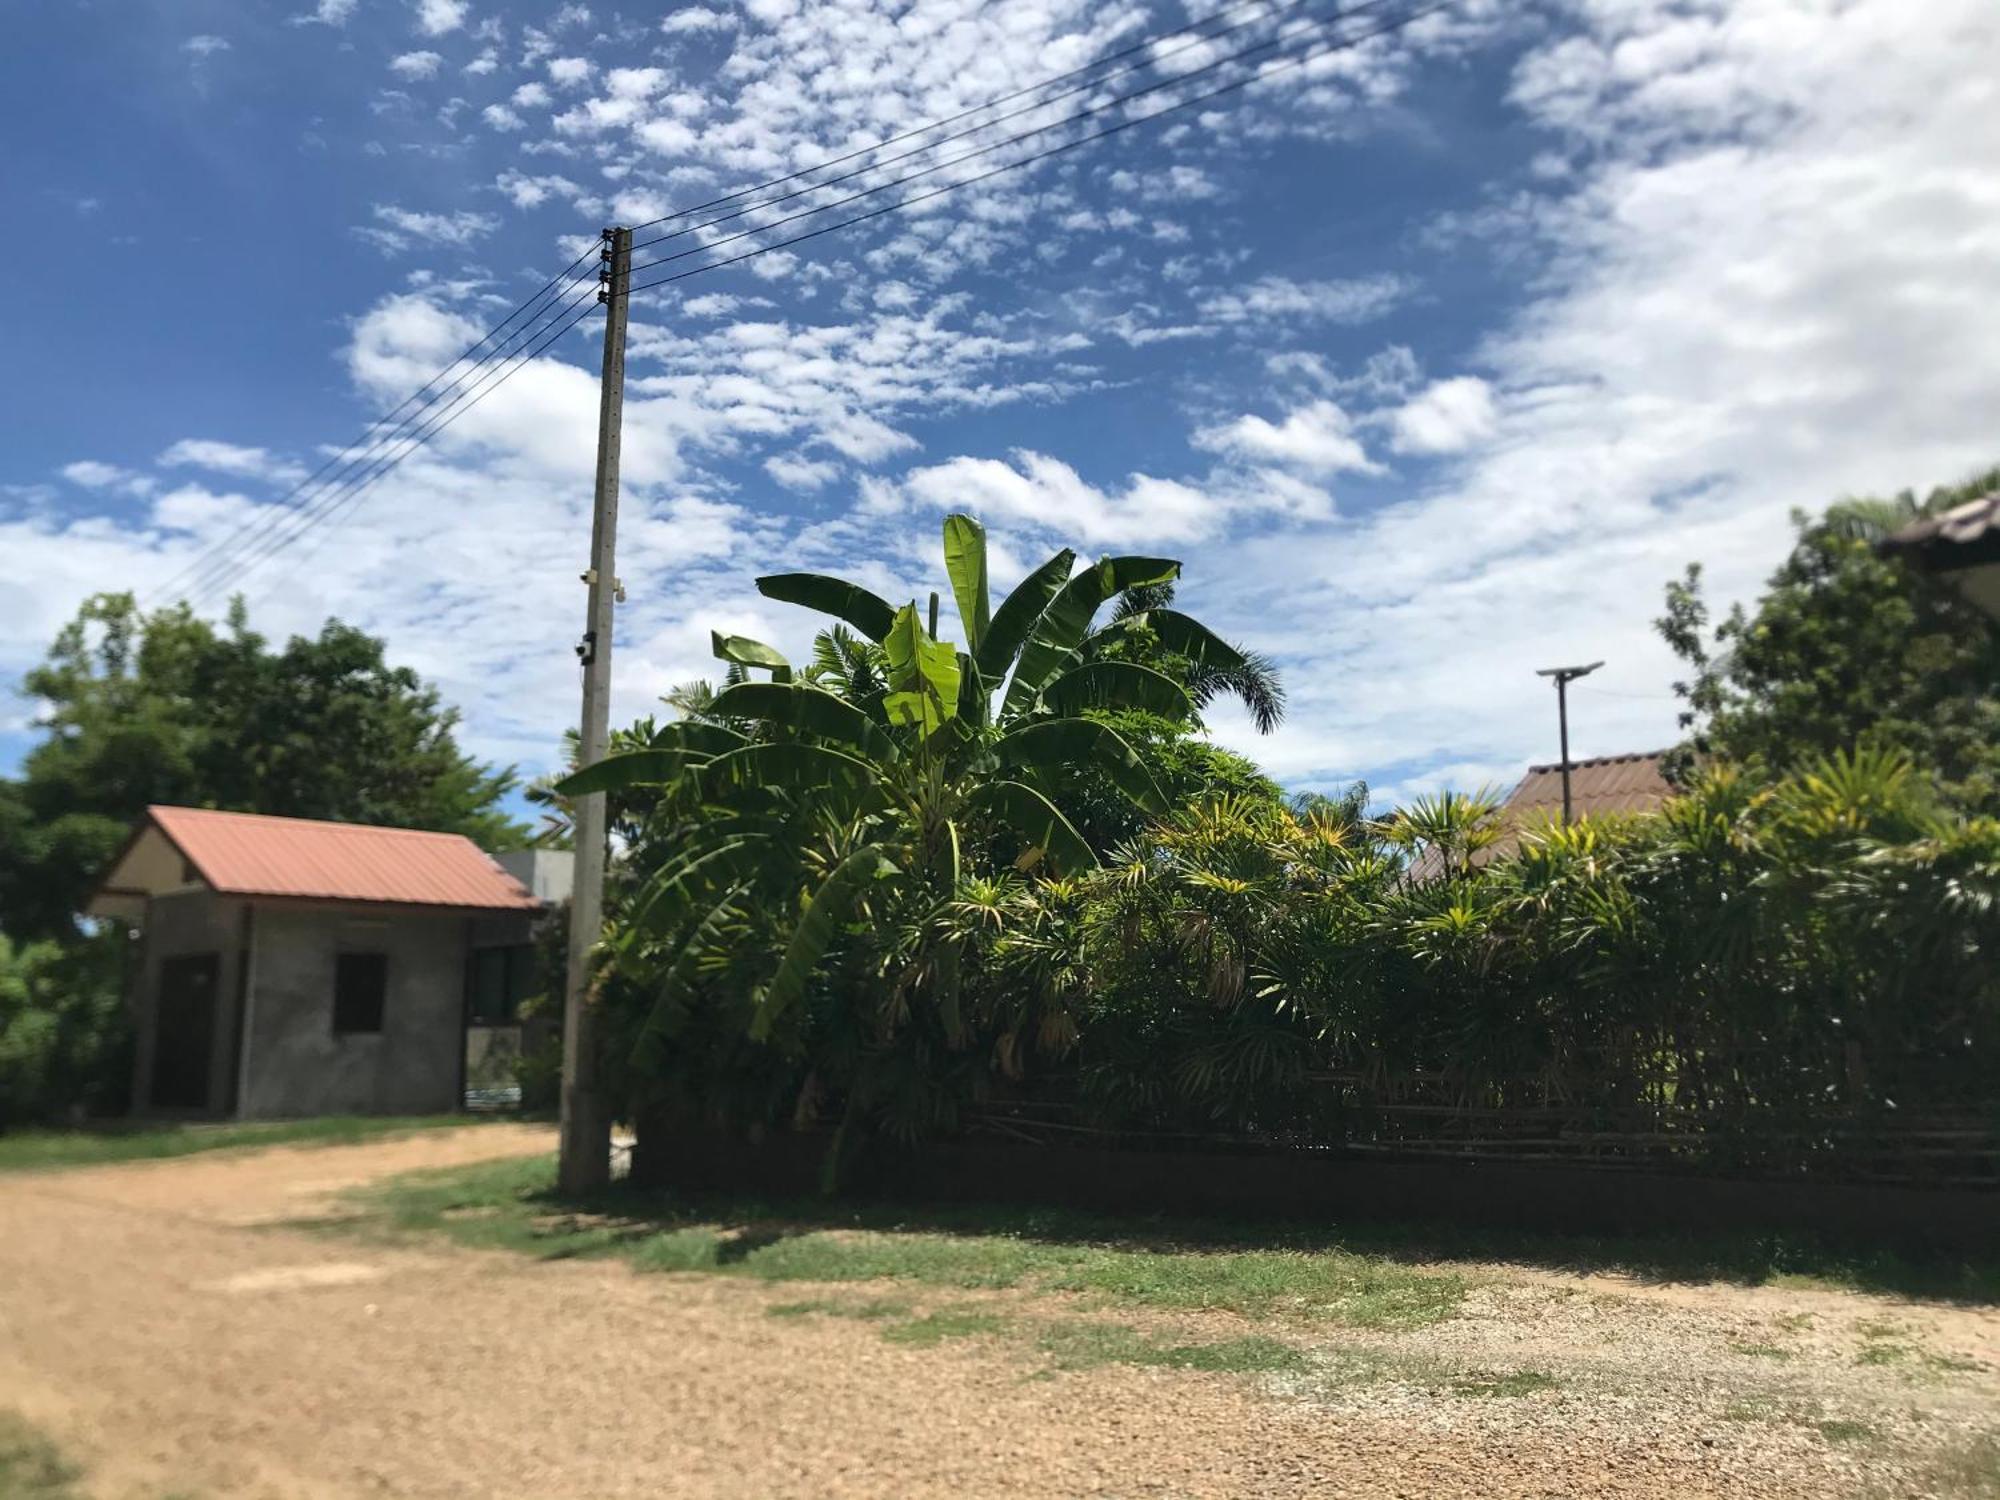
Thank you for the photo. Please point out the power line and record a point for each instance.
(1139, 46)
(1310, 54)
(385, 429)
(331, 501)
(1274, 11)
(336, 497)
(380, 428)
(987, 150)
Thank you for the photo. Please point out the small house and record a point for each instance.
(293, 967)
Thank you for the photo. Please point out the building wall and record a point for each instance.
(178, 925)
(295, 1063)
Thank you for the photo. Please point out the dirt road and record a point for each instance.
(156, 1321)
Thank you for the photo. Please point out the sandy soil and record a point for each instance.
(157, 1323)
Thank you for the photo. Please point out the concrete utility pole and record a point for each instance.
(585, 1159)
(1564, 676)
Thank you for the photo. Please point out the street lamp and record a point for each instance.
(1564, 676)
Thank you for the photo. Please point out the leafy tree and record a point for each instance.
(63, 1042)
(164, 708)
(1846, 647)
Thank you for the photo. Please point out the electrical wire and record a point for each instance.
(337, 495)
(1309, 55)
(1085, 114)
(1275, 11)
(324, 506)
(373, 436)
(1008, 98)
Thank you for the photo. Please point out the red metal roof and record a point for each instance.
(251, 854)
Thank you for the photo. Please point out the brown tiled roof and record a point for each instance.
(250, 854)
(1604, 784)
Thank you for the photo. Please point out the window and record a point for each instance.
(501, 979)
(360, 986)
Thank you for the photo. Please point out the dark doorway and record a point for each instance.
(184, 1030)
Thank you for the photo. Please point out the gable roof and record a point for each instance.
(252, 854)
(1604, 784)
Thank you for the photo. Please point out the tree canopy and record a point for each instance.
(163, 707)
(1846, 647)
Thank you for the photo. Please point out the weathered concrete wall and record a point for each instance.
(177, 925)
(297, 1065)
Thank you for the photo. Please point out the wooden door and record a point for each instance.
(184, 1030)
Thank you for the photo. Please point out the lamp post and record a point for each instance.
(1564, 676)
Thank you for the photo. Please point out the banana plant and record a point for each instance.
(828, 813)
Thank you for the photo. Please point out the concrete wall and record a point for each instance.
(296, 1065)
(549, 874)
(177, 925)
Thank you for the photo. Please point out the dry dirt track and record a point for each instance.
(155, 1323)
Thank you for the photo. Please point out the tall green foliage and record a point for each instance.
(797, 887)
(142, 708)
(1846, 647)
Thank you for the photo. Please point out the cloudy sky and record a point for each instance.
(1433, 357)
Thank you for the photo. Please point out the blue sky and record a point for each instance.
(1433, 360)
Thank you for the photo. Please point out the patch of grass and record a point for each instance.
(1841, 1431)
(511, 1205)
(947, 1323)
(1510, 1383)
(1359, 1291)
(1755, 1409)
(1085, 1345)
(32, 1467)
(841, 1307)
(1882, 1354)
(50, 1150)
(1761, 1351)
(1967, 1471)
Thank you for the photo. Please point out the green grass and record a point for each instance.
(1762, 1351)
(48, 1150)
(510, 1205)
(1084, 1345)
(867, 1309)
(32, 1467)
(1799, 1413)
(1505, 1384)
(947, 1323)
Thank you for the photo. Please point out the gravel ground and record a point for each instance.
(158, 1323)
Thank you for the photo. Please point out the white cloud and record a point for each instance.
(1449, 416)
(488, 61)
(327, 13)
(698, 18)
(415, 65)
(232, 459)
(500, 117)
(797, 472)
(1359, 299)
(531, 96)
(526, 191)
(436, 17)
(398, 229)
(570, 72)
(205, 46)
(93, 474)
(1318, 438)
